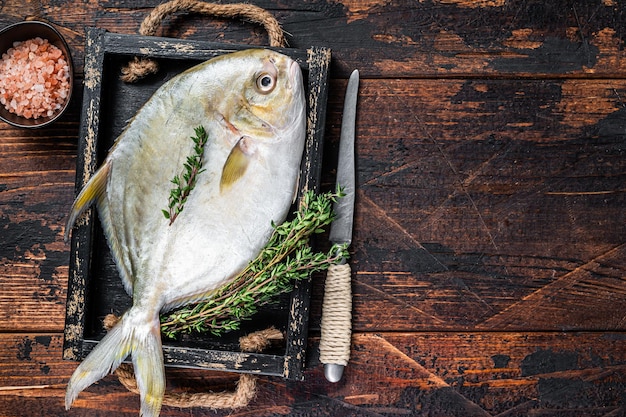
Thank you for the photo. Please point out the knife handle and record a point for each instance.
(336, 321)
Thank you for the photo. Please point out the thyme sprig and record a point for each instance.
(184, 185)
(285, 259)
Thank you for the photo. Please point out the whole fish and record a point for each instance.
(252, 106)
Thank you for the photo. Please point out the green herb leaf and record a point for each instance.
(192, 167)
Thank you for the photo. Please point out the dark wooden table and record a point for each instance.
(489, 256)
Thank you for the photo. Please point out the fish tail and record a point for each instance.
(150, 373)
(144, 344)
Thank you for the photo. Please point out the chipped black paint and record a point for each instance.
(500, 361)
(18, 237)
(43, 340)
(532, 103)
(582, 394)
(26, 345)
(24, 349)
(571, 56)
(548, 361)
(440, 402)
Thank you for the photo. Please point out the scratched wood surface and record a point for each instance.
(489, 250)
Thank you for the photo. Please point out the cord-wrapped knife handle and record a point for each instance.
(336, 321)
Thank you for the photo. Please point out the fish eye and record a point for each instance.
(265, 83)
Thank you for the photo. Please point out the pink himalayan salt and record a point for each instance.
(34, 79)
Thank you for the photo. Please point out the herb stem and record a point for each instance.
(192, 167)
(285, 259)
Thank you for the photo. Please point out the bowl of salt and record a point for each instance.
(36, 74)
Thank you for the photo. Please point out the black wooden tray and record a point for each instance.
(94, 288)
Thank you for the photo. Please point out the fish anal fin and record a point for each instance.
(237, 162)
(92, 191)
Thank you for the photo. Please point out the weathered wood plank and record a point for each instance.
(36, 188)
(403, 39)
(397, 39)
(486, 190)
(517, 373)
(393, 374)
(492, 200)
(475, 194)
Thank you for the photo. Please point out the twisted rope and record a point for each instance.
(336, 320)
(140, 67)
(241, 397)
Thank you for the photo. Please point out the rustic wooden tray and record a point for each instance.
(94, 288)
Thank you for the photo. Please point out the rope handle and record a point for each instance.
(141, 67)
(239, 398)
(336, 326)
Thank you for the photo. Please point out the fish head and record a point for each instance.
(271, 100)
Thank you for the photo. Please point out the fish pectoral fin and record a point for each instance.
(92, 191)
(237, 162)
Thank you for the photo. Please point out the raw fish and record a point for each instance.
(251, 104)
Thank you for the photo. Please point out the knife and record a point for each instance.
(336, 332)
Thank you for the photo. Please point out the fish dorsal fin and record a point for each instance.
(92, 191)
(237, 162)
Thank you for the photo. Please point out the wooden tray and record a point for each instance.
(94, 287)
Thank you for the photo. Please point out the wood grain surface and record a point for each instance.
(489, 254)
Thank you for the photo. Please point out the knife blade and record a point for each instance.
(336, 326)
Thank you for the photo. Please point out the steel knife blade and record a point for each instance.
(336, 332)
(341, 228)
